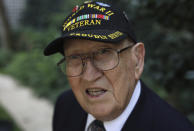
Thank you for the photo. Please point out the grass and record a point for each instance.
(5, 117)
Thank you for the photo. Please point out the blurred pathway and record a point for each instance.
(29, 112)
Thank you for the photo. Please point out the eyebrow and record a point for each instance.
(96, 47)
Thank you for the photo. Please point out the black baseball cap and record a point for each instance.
(93, 21)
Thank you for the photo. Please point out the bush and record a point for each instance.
(5, 58)
(33, 69)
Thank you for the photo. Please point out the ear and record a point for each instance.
(139, 52)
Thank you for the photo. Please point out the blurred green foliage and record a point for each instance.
(5, 58)
(165, 26)
(166, 29)
(38, 72)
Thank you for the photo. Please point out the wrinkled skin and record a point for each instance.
(119, 82)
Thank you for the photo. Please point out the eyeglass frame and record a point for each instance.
(86, 57)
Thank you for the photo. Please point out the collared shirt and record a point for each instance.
(117, 124)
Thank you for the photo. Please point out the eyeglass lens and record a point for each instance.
(104, 59)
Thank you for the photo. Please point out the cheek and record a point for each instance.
(122, 74)
(122, 81)
(78, 90)
(75, 85)
(72, 82)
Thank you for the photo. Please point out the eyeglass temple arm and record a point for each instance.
(63, 59)
(121, 50)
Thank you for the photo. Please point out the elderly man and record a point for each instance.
(103, 63)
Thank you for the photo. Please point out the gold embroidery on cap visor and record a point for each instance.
(96, 36)
(89, 35)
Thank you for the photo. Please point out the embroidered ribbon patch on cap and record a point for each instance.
(87, 16)
(75, 8)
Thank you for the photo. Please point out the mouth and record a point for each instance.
(95, 92)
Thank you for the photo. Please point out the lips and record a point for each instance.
(95, 92)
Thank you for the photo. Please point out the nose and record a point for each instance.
(91, 73)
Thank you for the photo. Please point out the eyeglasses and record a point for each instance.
(103, 59)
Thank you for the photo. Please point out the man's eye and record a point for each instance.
(74, 57)
(104, 51)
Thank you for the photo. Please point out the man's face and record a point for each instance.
(114, 87)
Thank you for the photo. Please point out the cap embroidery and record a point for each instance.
(90, 35)
(82, 23)
(87, 16)
(101, 9)
(126, 17)
(70, 17)
(97, 36)
(102, 4)
(86, 2)
(75, 8)
(96, 7)
(115, 35)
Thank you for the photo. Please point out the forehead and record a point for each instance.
(84, 46)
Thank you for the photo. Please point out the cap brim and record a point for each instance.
(103, 35)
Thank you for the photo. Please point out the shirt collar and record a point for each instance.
(117, 124)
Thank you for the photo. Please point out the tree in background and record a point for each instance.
(5, 32)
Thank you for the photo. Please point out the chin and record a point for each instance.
(104, 117)
(104, 114)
